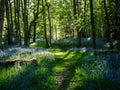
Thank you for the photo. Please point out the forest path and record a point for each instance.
(67, 62)
(60, 79)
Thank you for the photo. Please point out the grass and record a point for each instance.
(29, 77)
(57, 69)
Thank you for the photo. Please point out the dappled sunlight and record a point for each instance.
(57, 68)
(59, 44)
(62, 70)
(60, 53)
(33, 76)
(17, 52)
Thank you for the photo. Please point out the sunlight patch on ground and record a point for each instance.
(57, 68)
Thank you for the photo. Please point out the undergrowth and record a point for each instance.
(84, 71)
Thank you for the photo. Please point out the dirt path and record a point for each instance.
(60, 79)
(61, 76)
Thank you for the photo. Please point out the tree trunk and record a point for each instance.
(75, 7)
(92, 25)
(49, 19)
(44, 24)
(79, 37)
(116, 31)
(34, 32)
(11, 21)
(17, 21)
(9, 29)
(85, 31)
(33, 22)
(1, 20)
(107, 22)
(25, 20)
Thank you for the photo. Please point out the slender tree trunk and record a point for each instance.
(79, 30)
(75, 2)
(75, 13)
(25, 20)
(50, 25)
(44, 24)
(33, 22)
(56, 32)
(17, 21)
(34, 32)
(11, 21)
(9, 34)
(74, 7)
(1, 20)
(117, 20)
(85, 31)
(92, 25)
(79, 33)
(107, 21)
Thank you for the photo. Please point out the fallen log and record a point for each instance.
(106, 52)
(18, 61)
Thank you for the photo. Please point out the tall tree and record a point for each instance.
(49, 19)
(107, 21)
(25, 20)
(117, 20)
(9, 22)
(34, 31)
(92, 25)
(85, 32)
(76, 16)
(1, 19)
(33, 22)
(17, 21)
(44, 24)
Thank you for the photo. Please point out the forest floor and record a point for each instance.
(80, 70)
(68, 68)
